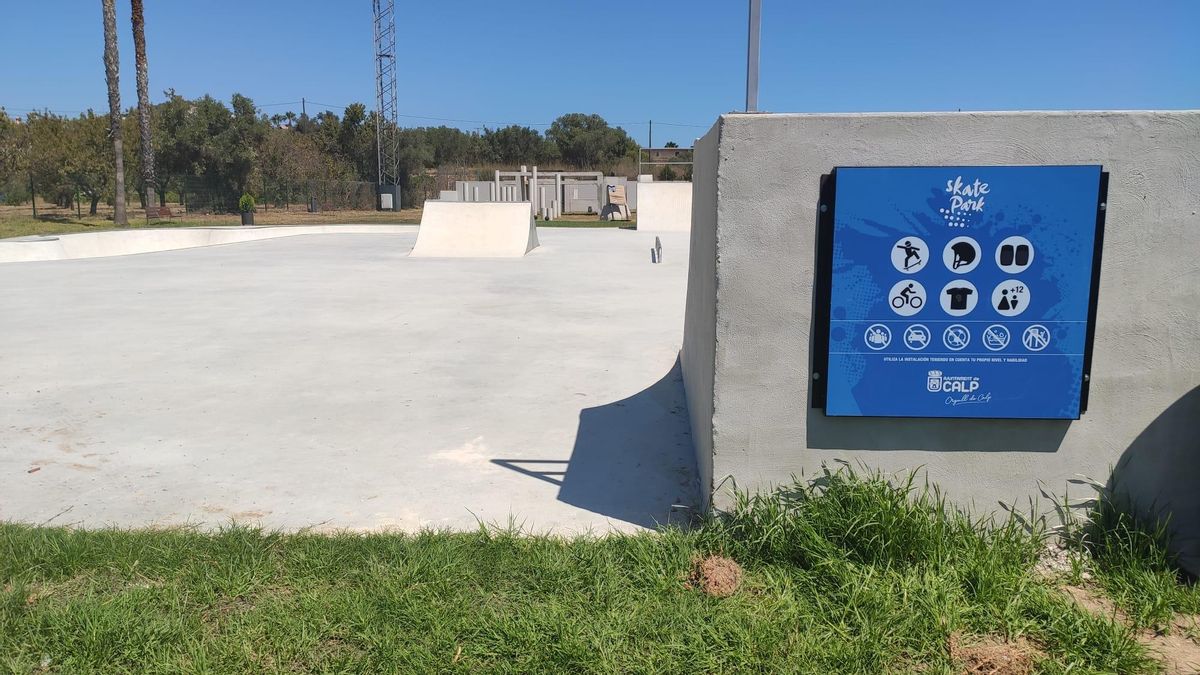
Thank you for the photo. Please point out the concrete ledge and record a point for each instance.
(475, 230)
(128, 242)
(664, 207)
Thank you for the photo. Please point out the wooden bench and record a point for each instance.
(159, 213)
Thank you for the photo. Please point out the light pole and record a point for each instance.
(752, 56)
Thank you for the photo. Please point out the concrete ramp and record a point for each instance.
(475, 230)
(664, 207)
(131, 241)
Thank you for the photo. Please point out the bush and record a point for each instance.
(246, 203)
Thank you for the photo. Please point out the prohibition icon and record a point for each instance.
(877, 336)
(956, 337)
(996, 337)
(1036, 337)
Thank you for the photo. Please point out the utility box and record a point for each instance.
(389, 197)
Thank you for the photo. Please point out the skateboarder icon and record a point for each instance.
(910, 252)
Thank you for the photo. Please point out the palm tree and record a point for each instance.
(143, 92)
(112, 67)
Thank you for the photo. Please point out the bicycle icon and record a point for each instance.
(907, 297)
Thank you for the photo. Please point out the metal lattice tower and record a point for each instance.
(386, 118)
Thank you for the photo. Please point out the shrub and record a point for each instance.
(246, 203)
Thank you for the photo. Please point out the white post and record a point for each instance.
(533, 191)
(558, 192)
(496, 187)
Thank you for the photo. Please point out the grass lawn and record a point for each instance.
(20, 223)
(849, 574)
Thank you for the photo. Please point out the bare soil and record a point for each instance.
(716, 575)
(1178, 647)
(991, 655)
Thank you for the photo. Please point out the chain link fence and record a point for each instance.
(195, 195)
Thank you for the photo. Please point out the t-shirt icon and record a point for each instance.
(958, 296)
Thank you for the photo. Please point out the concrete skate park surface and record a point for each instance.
(331, 381)
(127, 242)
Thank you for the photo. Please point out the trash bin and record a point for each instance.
(313, 206)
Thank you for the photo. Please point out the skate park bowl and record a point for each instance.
(664, 207)
(475, 230)
(128, 242)
(334, 382)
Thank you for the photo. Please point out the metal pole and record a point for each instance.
(752, 56)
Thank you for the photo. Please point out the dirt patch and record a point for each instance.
(1177, 647)
(993, 656)
(715, 575)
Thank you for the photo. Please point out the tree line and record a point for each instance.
(227, 150)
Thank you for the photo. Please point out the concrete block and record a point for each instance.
(665, 207)
(749, 325)
(475, 230)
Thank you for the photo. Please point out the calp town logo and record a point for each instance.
(937, 382)
(966, 198)
(934, 382)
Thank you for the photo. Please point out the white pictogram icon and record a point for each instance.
(877, 336)
(961, 255)
(956, 337)
(995, 337)
(1036, 338)
(907, 297)
(916, 337)
(909, 255)
(1014, 255)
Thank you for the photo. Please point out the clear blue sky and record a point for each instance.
(673, 61)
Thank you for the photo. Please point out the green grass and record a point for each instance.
(1130, 562)
(27, 225)
(24, 225)
(849, 573)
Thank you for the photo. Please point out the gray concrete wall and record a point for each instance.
(697, 356)
(1144, 413)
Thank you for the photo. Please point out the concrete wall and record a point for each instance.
(1144, 412)
(700, 315)
(665, 207)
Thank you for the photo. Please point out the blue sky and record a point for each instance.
(678, 62)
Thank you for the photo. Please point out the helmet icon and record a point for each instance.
(964, 254)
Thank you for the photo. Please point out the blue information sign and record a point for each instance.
(961, 291)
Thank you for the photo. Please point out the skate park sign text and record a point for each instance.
(964, 291)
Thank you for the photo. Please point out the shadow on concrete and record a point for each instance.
(632, 459)
(1158, 477)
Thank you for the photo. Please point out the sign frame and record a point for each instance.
(823, 289)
